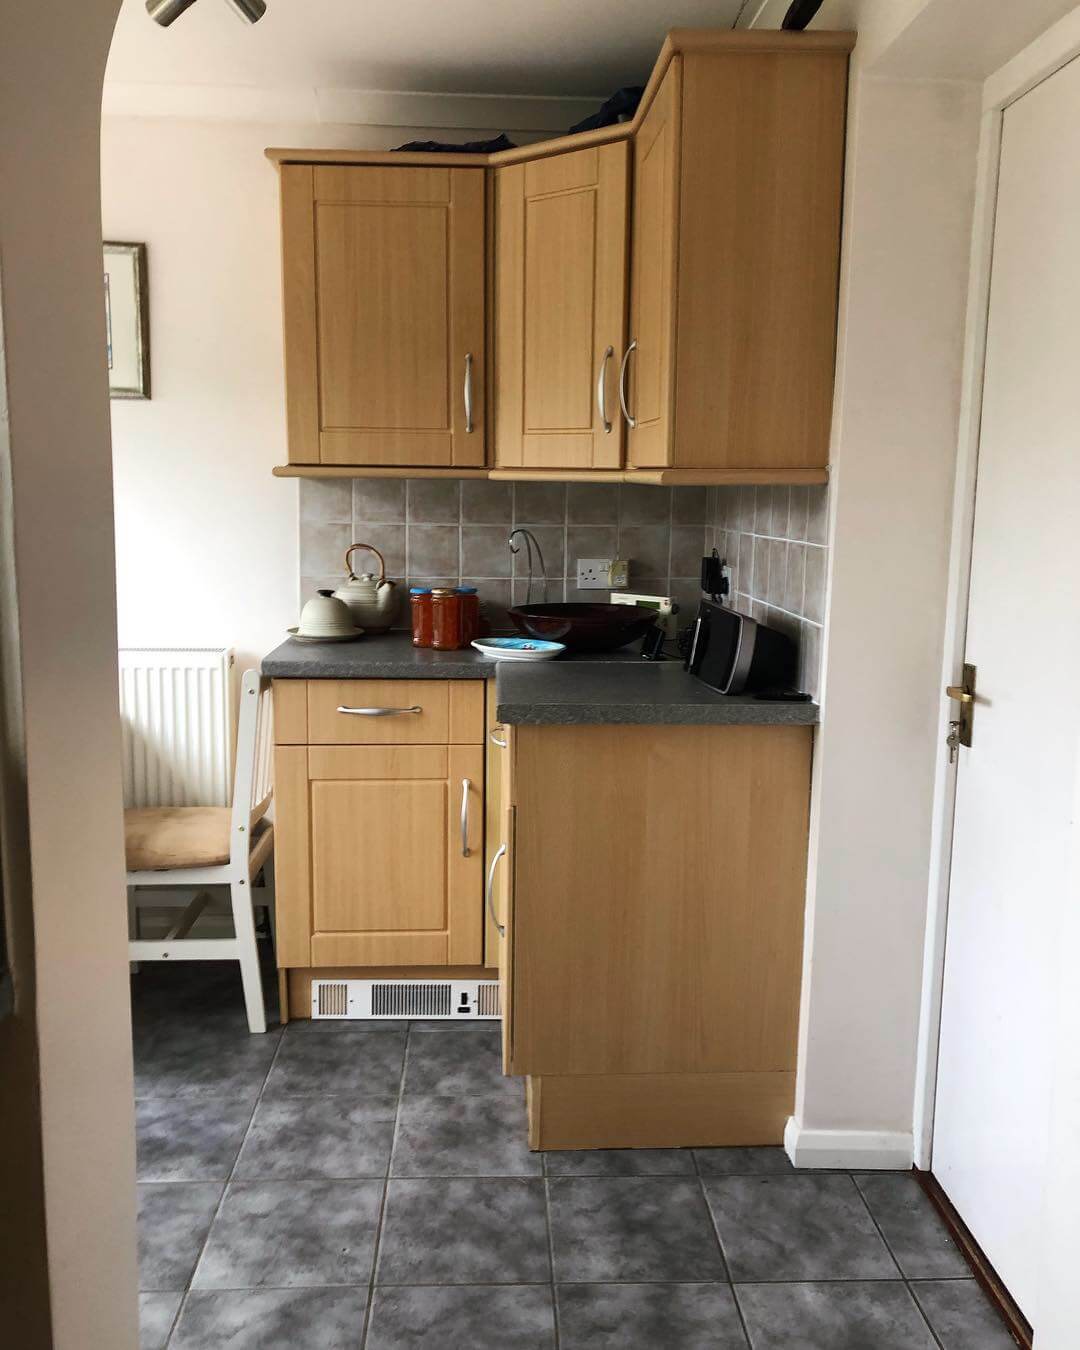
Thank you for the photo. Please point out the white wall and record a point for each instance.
(54, 446)
(910, 193)
(206, 539)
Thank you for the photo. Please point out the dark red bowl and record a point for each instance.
(583, 627)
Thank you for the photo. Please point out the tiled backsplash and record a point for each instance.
(454, 531)
(774, 539)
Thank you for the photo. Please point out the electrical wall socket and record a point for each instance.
(594, 574)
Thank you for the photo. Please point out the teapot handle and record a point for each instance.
(371, 549)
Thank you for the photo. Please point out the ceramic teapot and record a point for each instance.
(372, 600)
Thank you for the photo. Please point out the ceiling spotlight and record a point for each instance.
(166, 12)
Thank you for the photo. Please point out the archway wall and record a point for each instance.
(67, 1046)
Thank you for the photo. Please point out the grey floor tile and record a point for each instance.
(962, 1316)
(467, 1063)
(621, 1162)
(157, 1312)
(464, 1317)
(272, 1319)
(350, 1063)
(648, 1317)
(911, 1226)
(853, 1316)
(189, 1139)
(463, 1137)
(318, 1138)
(283, 1234)
(730, 1162)
(632, 1229)
(225, 1060)
(174, 1219)
(464, 1231)
(329, 1026)
(797, 1228)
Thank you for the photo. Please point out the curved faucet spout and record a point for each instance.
(531, 542)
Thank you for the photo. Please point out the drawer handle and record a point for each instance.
(380, 712)
(490, 896)
(495, 740)
(465, 786)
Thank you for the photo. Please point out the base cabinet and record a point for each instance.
(380, 846)
(656, 920)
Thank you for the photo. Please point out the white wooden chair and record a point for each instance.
(198, 848)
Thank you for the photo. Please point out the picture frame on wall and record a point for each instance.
(127, 319)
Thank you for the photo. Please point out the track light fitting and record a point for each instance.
(166, 12)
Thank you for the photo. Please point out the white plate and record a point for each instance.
(518, 648)
(297, 636)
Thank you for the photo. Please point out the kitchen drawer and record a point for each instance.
(451, 712)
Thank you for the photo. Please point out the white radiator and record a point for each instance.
(177, 710)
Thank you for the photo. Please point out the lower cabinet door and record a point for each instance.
(395, 842)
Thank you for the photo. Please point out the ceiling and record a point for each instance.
(530, 47)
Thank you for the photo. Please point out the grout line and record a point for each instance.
(723, 1253)
(385, 1192)
(892, 1254)
(551, 1252)
(224, 1189)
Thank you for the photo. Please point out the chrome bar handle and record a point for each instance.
(465, 786)
(631, 422)
(380, 712)
(601, 389)
(468, 392)
(495, 740)
(490, 892)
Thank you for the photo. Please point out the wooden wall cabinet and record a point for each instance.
(560, 309)
(380, 823)
(384, 308)
(735, 241)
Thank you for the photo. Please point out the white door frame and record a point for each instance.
(1055, 48)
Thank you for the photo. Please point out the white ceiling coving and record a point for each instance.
(531, 49)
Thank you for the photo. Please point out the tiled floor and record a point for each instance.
(339, 1186)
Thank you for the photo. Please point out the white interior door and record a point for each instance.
(1010, 878)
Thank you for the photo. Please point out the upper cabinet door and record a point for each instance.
(736, 245)
(561, 258)
(384, 315)
(647, 367)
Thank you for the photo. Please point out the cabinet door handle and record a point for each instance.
(490, 893)
(631, 422)
(495, 740)
(465, 786)
(468, 392)
(601, 389)
(380, 712)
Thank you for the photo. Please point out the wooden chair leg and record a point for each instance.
(244, 927)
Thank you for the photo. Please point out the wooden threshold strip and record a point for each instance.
(986, 1276)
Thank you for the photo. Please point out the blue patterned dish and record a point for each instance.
(518, 648)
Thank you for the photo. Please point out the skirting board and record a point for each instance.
(875, 1150)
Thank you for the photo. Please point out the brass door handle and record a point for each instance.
(959, 693)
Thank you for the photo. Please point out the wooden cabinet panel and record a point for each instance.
(561, 256)
(384, 314)
(328, 726)
(653, 280)
(657, 898)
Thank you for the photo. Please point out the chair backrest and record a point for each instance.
(253, 786)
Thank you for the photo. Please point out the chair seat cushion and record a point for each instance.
(166, 837)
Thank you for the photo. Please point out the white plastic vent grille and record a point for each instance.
(411, 1000)
(452, 999)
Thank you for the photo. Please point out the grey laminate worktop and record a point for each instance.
(618, 687)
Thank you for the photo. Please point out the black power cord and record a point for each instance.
(799, 14)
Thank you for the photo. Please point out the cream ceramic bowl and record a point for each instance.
(326, 617)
